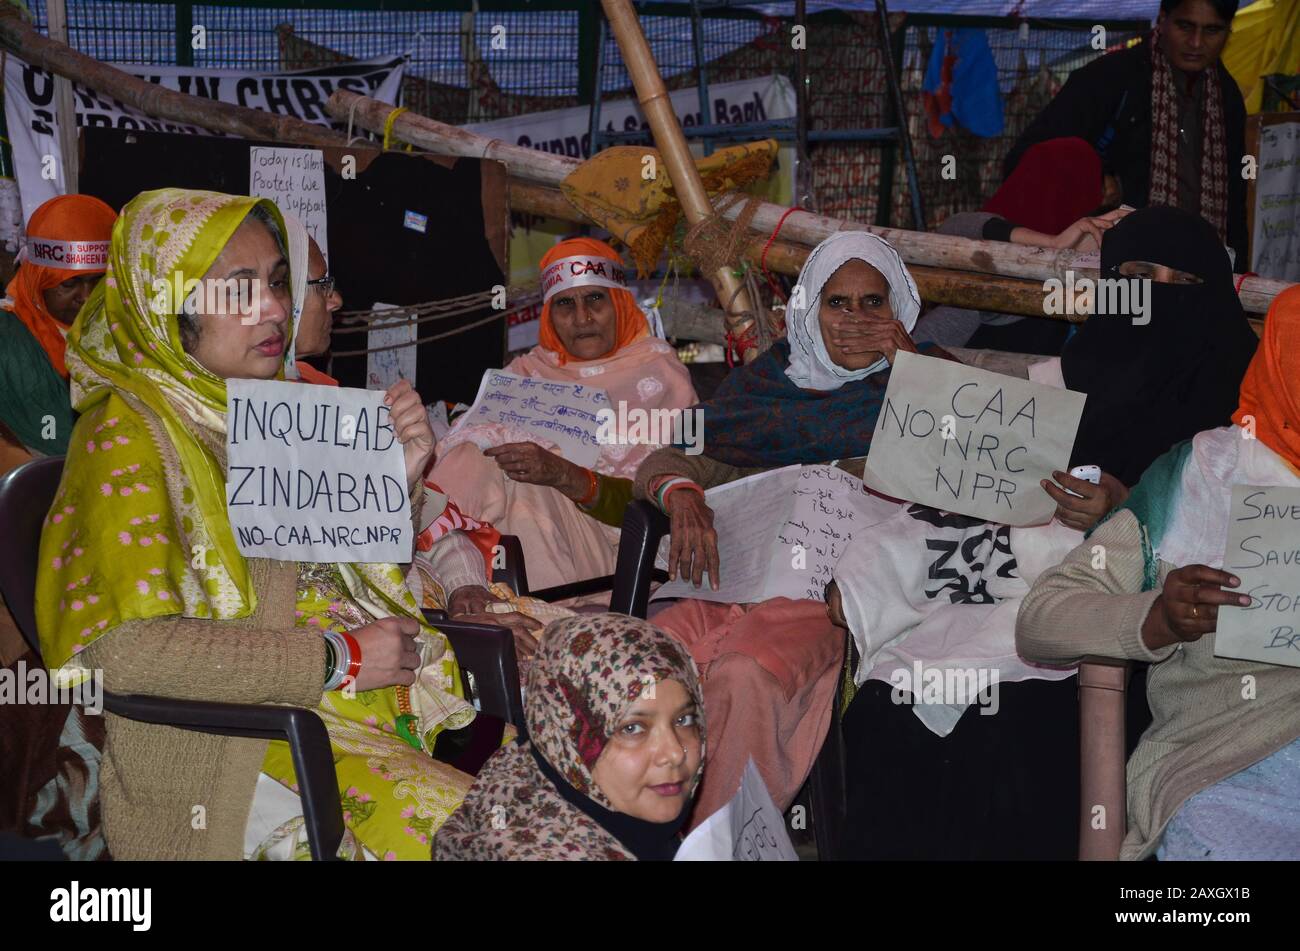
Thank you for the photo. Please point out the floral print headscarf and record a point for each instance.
(589, 670)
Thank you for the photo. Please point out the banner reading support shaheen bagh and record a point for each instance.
(29, 106)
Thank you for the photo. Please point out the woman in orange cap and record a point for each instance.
(592, 335)
(64, 257)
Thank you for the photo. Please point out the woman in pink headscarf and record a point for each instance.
(592, 334)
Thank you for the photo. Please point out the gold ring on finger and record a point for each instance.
(1196, 610)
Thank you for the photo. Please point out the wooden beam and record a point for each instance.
(916, 248)
(17, 36)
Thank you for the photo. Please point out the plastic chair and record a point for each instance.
(1103, 755)
(26, 494)
(488, 651)
(644, 526)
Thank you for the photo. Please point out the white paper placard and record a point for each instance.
(780, 533)
(295, 180)
(562, 414)
(386, 367)
(1264, 552)
(749, 828)
(1275, 244)
(315, 474)
(965, 440)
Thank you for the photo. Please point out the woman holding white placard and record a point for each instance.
(1216, 775)
(140, 575)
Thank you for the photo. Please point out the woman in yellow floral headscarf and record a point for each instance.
(140, 576)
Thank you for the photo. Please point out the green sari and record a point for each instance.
(127, 540)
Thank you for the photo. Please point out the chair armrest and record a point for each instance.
(489, 651)
(313, 761)
(1103, 805)
(513, 574)
(575, 589)
(644, 526)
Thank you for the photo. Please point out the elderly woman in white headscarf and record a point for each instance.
(810, 399)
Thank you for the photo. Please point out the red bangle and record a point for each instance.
(681, 485)
(354, 657)
(593, 487)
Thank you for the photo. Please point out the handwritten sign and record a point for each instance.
(384, 367)
(295, 180)
(748, 828)
(315, 474)
(562, 414)
(965, 440)
(1275, 243)
(781, 533)
(1264, 552)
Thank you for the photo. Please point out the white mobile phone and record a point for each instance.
(1087, 474)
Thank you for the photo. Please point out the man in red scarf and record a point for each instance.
(65, 255)
(1166, 118)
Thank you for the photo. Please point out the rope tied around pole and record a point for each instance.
(715, 242)
(388, 128)
(762, 258)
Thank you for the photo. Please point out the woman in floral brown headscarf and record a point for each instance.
(616, 721)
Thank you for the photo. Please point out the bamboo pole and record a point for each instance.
(65, 111)
(653, 96)
(916, 248)
(992, 292)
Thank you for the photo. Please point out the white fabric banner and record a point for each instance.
(29, 106)
(567, 131)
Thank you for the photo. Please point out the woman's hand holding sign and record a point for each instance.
(411, 425)
(1188, 606)
(693, 545)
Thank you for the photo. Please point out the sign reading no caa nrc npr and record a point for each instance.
(965, 440)
(315, 473)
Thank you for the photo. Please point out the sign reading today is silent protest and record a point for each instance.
(1264, 552)
(315, 474)
(295, 180)
(964, 440)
